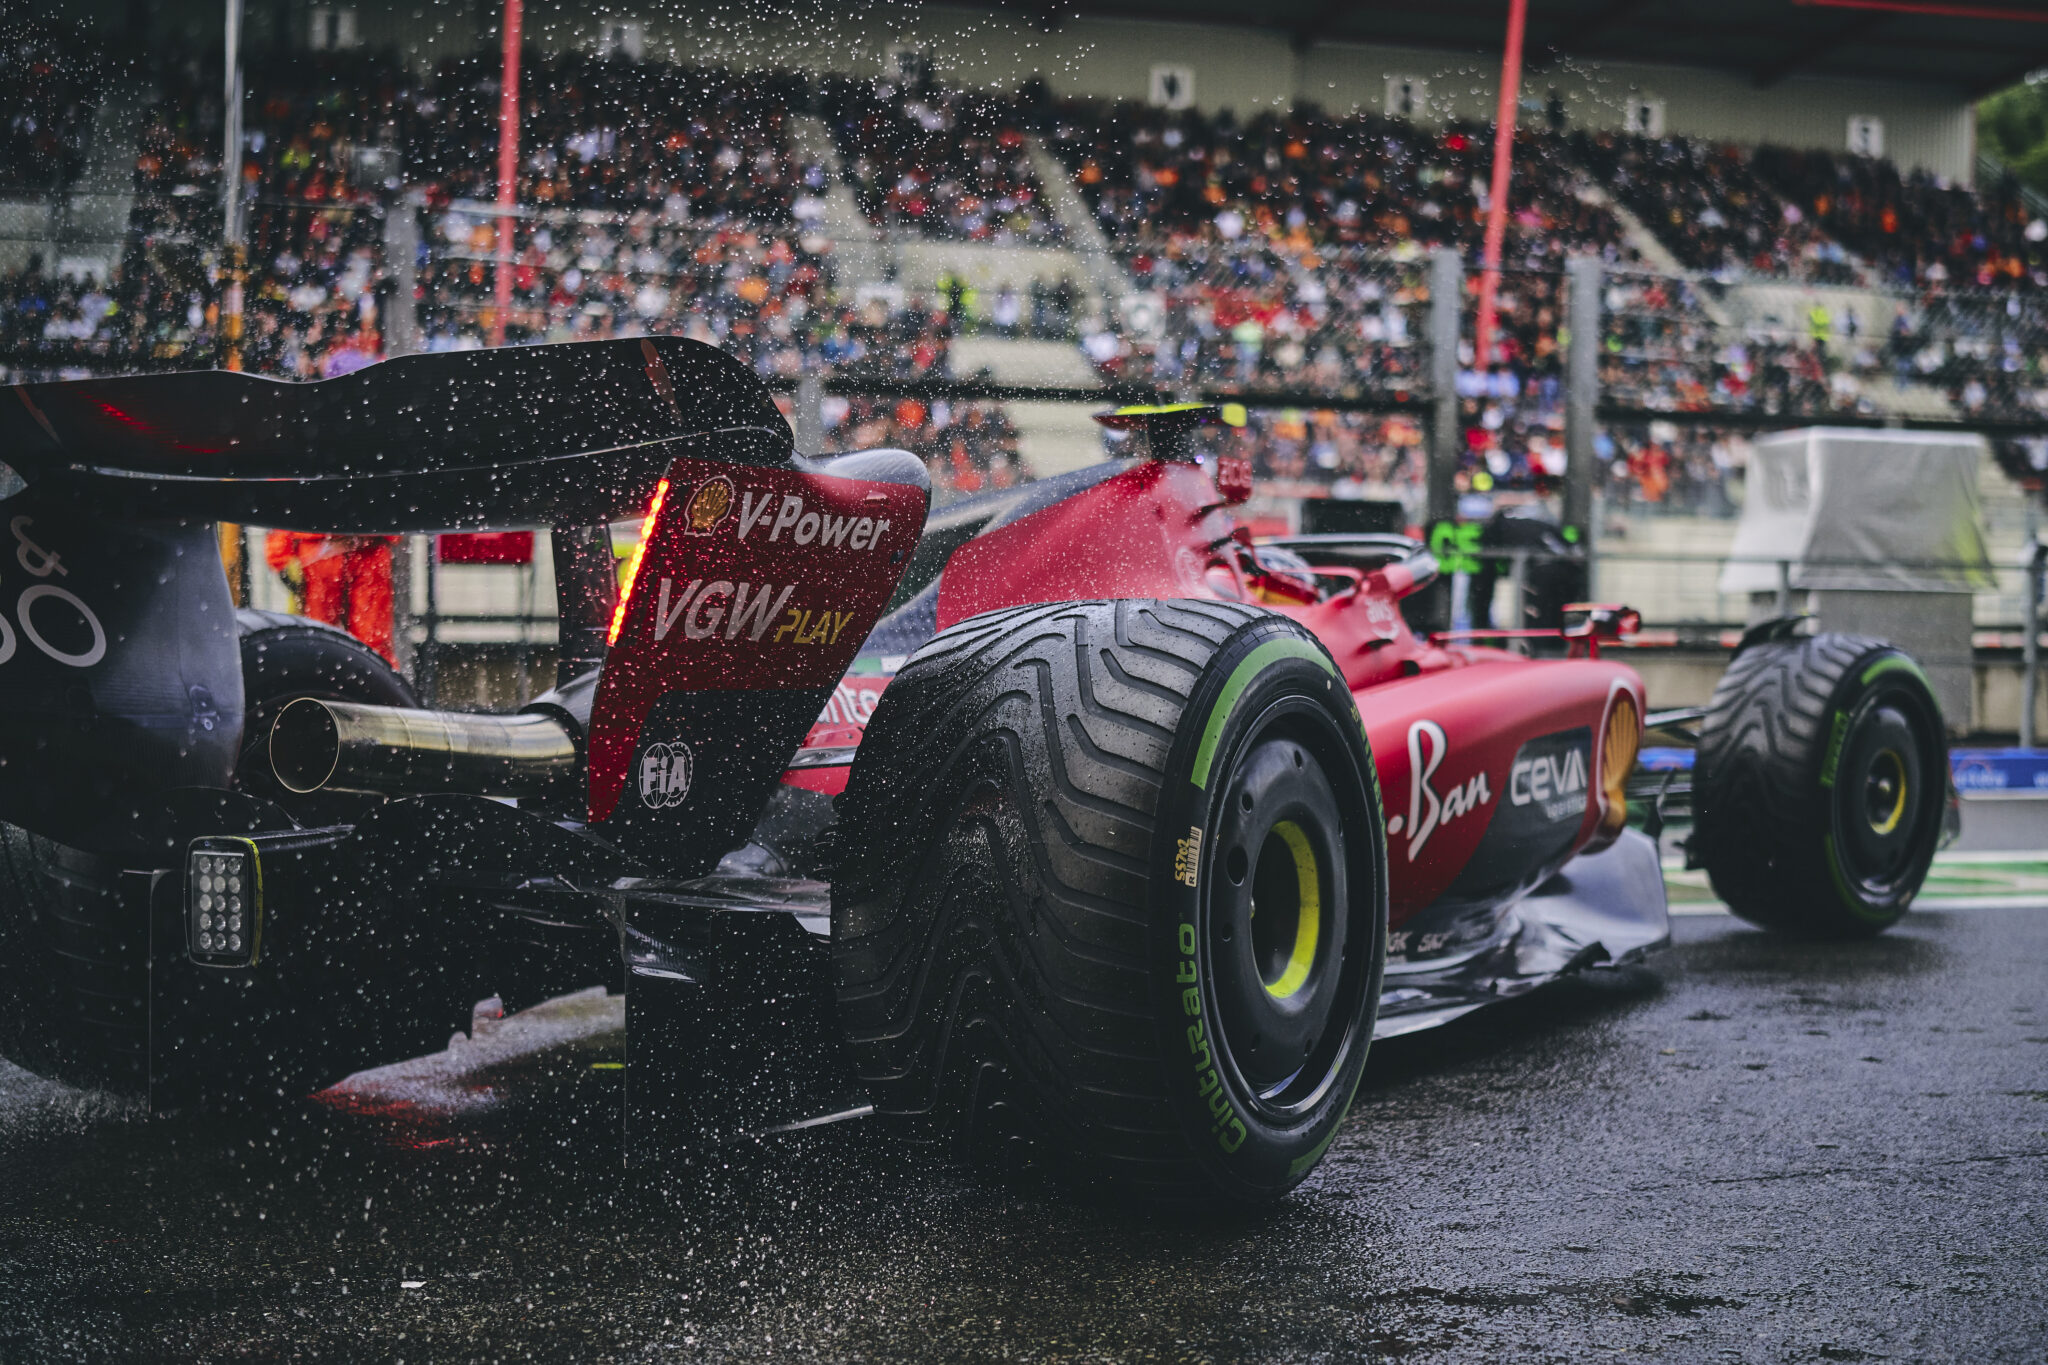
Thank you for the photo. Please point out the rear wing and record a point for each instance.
(120, 668)
(569, 434)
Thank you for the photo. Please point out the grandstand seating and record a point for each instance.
(1708, 206)
(50, 82)
(946, 162)
(1913, 229)
(1278, 255)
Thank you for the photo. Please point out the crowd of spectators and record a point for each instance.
(949, 163)
(1304, 178)
(1705, 202)
(656, 198)
(1660, 467)
(969, 447)
(768, 297)
(1663, 351)
(1278, 256)
(54, 325)
(1914, 228)
(1249, 317)
(693, 144)
(50, 85)
(1283, 254)
(1342, 454)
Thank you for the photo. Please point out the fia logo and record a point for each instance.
(1426, 808)
(665, 774)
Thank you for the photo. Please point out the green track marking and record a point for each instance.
(2020, 878)
(1240, 678)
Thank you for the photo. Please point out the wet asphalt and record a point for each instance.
(1749, 1150)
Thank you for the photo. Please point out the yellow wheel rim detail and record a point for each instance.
(1308, 923)
(1890, 822)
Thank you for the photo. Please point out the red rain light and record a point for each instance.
(611, 636)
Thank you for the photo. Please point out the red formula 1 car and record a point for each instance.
(1069, 821)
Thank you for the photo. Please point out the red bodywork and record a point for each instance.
(747, 579)
(1446, 721)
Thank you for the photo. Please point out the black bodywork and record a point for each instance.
(122, 707)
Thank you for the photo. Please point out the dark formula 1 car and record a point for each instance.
(1069, 822)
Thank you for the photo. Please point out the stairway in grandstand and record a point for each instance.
(94, 226)
(1857, 316)
(81, 229)
(858, 251)
(1084, 231)
(1639, 238)
(1052, 437)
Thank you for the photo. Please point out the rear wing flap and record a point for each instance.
(569, 434)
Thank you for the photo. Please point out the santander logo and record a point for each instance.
(1428, 809)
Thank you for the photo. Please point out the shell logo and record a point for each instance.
(709, 506)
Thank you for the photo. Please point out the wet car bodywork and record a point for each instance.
(662, 820)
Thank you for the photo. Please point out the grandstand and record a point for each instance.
(1104, 200)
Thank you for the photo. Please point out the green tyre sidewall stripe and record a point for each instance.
(1263, 664)
(1254, 663)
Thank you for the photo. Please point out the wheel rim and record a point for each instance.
(1284, 973)
(1885, 822)
(1885, 791)
(1288, 887)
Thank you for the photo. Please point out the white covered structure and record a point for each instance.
(1876, 532)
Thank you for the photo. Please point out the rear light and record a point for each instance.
(611, 637)
(1618, 747)
(223, 902)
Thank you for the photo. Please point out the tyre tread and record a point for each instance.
(996, 1038)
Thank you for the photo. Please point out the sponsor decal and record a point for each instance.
(70, 610)
(1226, 1127)
(803, 627)
(1383, 618)
(1555, 783)
(704, 610)
(851, 705)
(1429, 809)
(709, 506)
(1833, 762)
(665, 774)
(1412, 942)
(774, 516)
(1187, 857)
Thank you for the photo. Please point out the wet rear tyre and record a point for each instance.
(1055, 835)
(74, 946)
(74, 966)
(1821, 780)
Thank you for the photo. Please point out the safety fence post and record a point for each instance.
(1446, 305)
(402, 552)
(1584, 284)
(810, 414)
(402, 256)
(2030, 673)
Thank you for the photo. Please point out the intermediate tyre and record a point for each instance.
(1113, 884)
(74, 966)
(1820, 783)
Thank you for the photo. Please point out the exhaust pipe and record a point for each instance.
(396, 751)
